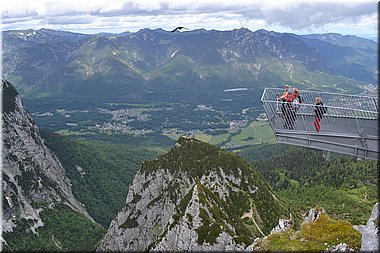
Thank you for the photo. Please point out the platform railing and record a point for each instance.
(349, 115)
(348, 101)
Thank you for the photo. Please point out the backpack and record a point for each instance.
(290, 97)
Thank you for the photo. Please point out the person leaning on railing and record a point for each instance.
(318, 112)
(283, 96)
(297, 99)
(288, 110)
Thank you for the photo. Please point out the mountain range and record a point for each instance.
(198, 65)
(195, 197)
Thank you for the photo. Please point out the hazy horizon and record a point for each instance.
(364, 36)
(351, 17)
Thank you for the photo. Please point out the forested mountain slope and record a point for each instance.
(38, 201)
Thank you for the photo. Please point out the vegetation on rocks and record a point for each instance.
(196, 160)
(315, 236)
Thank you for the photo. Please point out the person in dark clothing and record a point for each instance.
(297, 99)
(289, 114)
(288, 110)
(319, 110)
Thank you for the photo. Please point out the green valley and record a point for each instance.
(152, 135)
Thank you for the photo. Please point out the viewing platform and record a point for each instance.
(349, 126)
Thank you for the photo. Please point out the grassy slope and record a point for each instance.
(257, 132)
(315, 236)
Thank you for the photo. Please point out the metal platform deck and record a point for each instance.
(350, 125)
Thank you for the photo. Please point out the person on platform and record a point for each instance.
(318, 112)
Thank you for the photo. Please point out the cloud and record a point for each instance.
(77, 19)
(304, 15)
(214, 14)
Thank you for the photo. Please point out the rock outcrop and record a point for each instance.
(370, 232)
(196, 197)
(341, 247)
(313, 214)
(317, 233)
(32, 175)
(283, 225)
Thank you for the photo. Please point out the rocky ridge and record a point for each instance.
(196, 197)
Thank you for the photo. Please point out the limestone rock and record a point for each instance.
(341, 247)
(313, 214)
(192, 199)
(32, 174)
(283, 225)
(370, 232)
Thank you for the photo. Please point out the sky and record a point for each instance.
(349, 17)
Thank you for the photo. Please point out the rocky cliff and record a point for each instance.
(32, 176)
(195, 197)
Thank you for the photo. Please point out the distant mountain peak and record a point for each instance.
(244, 29)
(143, 30)
(261, 31)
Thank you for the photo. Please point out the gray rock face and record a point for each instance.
(175, 209)
(32, 174)
(313, 214)
(341, 247)
(370, 232)
(145, 209)
(283, 225)
(150, 208)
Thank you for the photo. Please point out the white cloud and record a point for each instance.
(109, 15)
